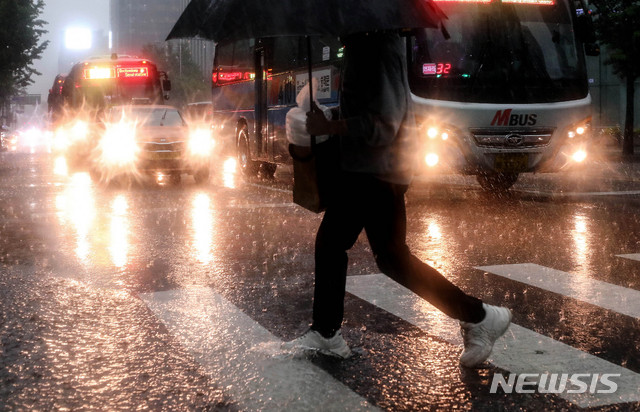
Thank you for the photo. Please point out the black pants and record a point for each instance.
(362, 201)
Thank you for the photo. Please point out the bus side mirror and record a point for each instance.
(166, 85)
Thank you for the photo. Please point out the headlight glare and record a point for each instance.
(579, 129)
(79, 131)
(579, 156)
(431, 159)
(200, 142)
(118, 145)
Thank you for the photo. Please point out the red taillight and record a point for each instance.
(463, 1)
(535, 2)
(231, 76)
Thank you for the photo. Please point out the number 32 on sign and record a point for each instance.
(436, 68)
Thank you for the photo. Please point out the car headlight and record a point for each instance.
(118, 145)
(200, 142)
(60, 139)
(79, 131)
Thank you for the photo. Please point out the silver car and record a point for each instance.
(151, 139)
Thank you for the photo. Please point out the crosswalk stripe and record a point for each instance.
(632, 256)
(606, 295)
(520, 350)
(579, 194)
(244, 358)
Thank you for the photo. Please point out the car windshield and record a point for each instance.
(150, 116)
(499, 52)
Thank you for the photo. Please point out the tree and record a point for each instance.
(20, 45)
(617, 26)
(187, 82)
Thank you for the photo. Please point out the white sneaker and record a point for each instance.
(335, 346)
(480, 337)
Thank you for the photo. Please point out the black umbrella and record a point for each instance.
(221, 20)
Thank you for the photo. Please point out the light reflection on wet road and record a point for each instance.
(76, 256)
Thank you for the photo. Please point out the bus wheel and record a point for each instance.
(267, 170)
(497, 182)
(248, 166)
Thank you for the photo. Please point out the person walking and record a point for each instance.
(376, 146)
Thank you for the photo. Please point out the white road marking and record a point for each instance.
(245, 359)
(578, 194)
(519, 351)
(595, 292)
(261, 205)
(273, 189)
(632, 256)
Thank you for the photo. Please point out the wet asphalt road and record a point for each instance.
(166, 297)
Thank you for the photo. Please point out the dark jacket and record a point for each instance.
(376, 103)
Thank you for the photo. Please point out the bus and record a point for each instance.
(503, 88)
(500, 89)
(255, 83)
(93, 86)
(102, 81)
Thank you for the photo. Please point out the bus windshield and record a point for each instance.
(499, 52)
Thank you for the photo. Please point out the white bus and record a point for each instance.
(503, 88)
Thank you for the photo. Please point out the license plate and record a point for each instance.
(511, 162)
(163, 155)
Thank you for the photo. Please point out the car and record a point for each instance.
(144, 139)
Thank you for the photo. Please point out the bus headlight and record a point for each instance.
(200, 142)
(437, 133)
(579, 156)
(579, 129)
(431, 159)
(438, 142)
(118, 145)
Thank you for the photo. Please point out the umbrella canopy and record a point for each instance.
(221, 20)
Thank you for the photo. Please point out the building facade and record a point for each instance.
(609, 94)
(136, 23)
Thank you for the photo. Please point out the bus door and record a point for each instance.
(260, 111)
